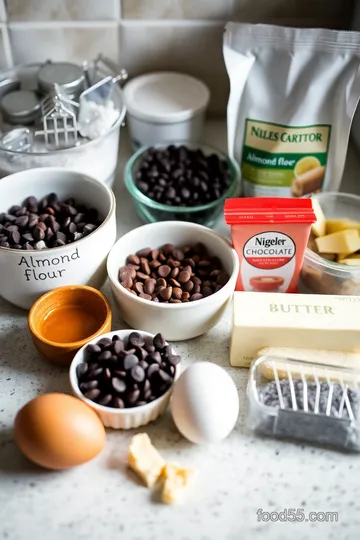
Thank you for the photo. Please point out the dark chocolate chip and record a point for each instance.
(154, 368)
(93, 348)
(94, 373)
(81, 369)
(164, 270)
(38, 233)
(104, 343)
(118, 346)
(92, 394)
(143, 364)
(165, 377)
(89, 385)
(196, 296)
(104, 355)
(118, 403)
(159, 341)
(141, 353)
(132, 396)
(105, 400)
(107, 374)
(139, 403)
(118, 385)
(174, 359)
(167, 351)
(137, 374)
(154, 357)
(136, 339)
(130, 361)
(144, 252)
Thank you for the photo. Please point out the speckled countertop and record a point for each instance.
(237, 478)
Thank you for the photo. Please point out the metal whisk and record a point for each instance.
(59, 120)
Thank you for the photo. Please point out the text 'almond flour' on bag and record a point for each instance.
(293, 94)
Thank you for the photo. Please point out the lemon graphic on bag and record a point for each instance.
(306, 164)
(308, 176)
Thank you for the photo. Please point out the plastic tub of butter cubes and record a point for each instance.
(320, 275)
(313, 402)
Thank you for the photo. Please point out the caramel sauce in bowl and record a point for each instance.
(64, 319)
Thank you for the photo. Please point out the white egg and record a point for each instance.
(205, 403)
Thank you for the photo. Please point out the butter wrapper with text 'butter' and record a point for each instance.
(292, 320)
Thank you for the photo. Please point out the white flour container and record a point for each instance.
(164, 107)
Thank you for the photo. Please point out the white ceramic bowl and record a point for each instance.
(26, 275)
(175, 321)
(121, 418)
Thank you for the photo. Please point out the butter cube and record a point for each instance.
(145, 460)
(354, 256)
(291, 320)
(336, 225)
(350, 262)
(342, 256)
(340, 242)
(176, 482)
(319, 227)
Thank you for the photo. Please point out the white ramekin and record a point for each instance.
(121, 418)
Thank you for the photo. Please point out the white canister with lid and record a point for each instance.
(165, 107)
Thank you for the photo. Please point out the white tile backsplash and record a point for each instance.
(37, 43)
(330, 12)
(195, 49)
(3, 12)
(147, 35)
(178, 9)
(62, 10)
(5, 57)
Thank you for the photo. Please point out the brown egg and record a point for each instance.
(58, 431)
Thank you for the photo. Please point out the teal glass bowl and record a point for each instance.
(151, 211)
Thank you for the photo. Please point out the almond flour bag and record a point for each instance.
(293, 94)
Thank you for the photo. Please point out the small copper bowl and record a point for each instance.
(64, 319)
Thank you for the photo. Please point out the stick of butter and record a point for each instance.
(292, 320)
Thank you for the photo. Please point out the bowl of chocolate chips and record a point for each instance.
(126, 377)
(176, 276)
(56, 228)
(184, 182)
